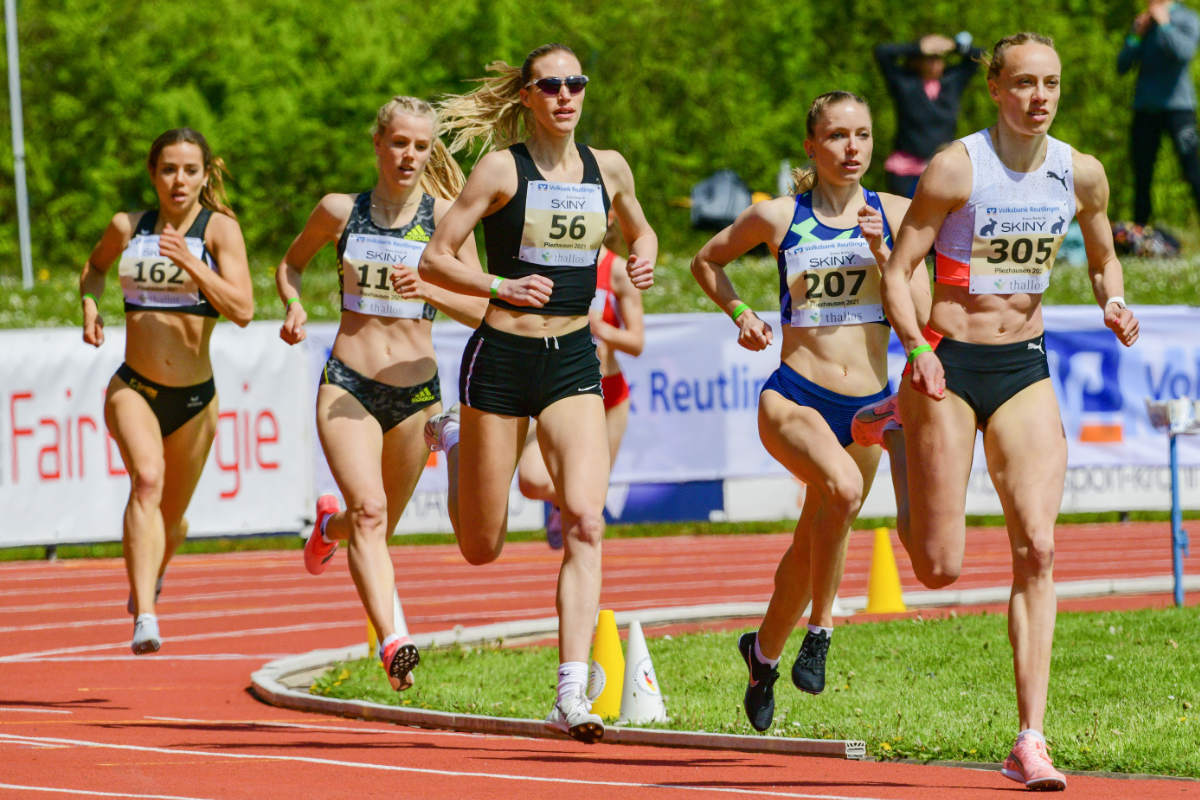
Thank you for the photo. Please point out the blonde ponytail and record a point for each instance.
(492, 115)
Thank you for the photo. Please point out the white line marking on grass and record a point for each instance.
(499, 776)
(97, 793)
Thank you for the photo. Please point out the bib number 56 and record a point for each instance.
(560, 228)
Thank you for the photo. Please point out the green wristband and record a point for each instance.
(290, 300)
(916, 351)
(495, 288)
(89, 294)
(738, 310)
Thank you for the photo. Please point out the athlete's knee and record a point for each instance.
(533, 488)
(146, 483)
(587, 530)
(1035, 557)
(478, 551)
(368, 517)
(844, 494)
(934, 574)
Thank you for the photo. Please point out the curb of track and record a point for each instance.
(284, 682)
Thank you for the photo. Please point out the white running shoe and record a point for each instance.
(145, 635)
(576, 719)
(438, 426)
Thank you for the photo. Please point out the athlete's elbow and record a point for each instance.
(241, 315)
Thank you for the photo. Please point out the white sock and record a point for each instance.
(572, 679)
(383, 646)
(760, 658)
(151, 618)
(325, 522)
(1036, 734)
(818, 629)
(449, 436)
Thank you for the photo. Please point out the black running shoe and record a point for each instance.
(759, 701)
(808, 673)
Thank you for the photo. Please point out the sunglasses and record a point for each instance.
(552, 86)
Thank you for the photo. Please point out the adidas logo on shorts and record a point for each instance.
(423, 396)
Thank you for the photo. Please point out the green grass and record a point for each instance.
(1123, 696)
(54, 299)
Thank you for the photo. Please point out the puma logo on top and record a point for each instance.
(1060, 178)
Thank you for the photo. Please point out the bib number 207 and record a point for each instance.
(834, 283)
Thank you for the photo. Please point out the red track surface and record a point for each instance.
(81, 717)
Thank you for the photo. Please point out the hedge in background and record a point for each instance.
(287, 89)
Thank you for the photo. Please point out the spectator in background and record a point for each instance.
(926, 93)
(1161, 41)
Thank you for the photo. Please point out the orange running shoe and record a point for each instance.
(1030, 764)
(870, 422)
(318, 551)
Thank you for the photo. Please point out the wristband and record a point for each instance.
(739, 309)
(86, 295)
(290, 300)
(1118, 299)
(916, 351)
(495, 289)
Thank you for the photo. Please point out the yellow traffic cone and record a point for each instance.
(608, 668)
(883, 587)
(641, 698)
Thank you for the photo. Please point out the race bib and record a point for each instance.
(564, 224)
(151, 279)
(1014, 247)
(833, 282)
(367, 275)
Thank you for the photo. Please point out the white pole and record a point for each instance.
(18, 137)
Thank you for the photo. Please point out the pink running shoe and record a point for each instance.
(398, 661)
(317, 551)
(870, 422)
(1030, 764)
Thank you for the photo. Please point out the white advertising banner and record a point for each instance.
(692, 425)
(61, 475)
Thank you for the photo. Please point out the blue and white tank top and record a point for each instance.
(1003, 241)
(828, 276)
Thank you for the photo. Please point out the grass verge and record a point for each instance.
(1123, 692)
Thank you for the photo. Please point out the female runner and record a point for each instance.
(995, 206)
(380, 384)
(543, 204)
(182, 265)
(829, 240)
(617, 324)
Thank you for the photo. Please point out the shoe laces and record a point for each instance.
(813, 650)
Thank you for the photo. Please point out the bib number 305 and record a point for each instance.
(1021, 251)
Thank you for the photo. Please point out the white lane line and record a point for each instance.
(499, 776)
(194, 637)
(394, 730)
(34, 710)
(96, 793)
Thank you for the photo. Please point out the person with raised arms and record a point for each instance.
(543, 201)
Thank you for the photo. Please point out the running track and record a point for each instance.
(80, 717)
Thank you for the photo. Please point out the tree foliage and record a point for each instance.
(286, 90)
